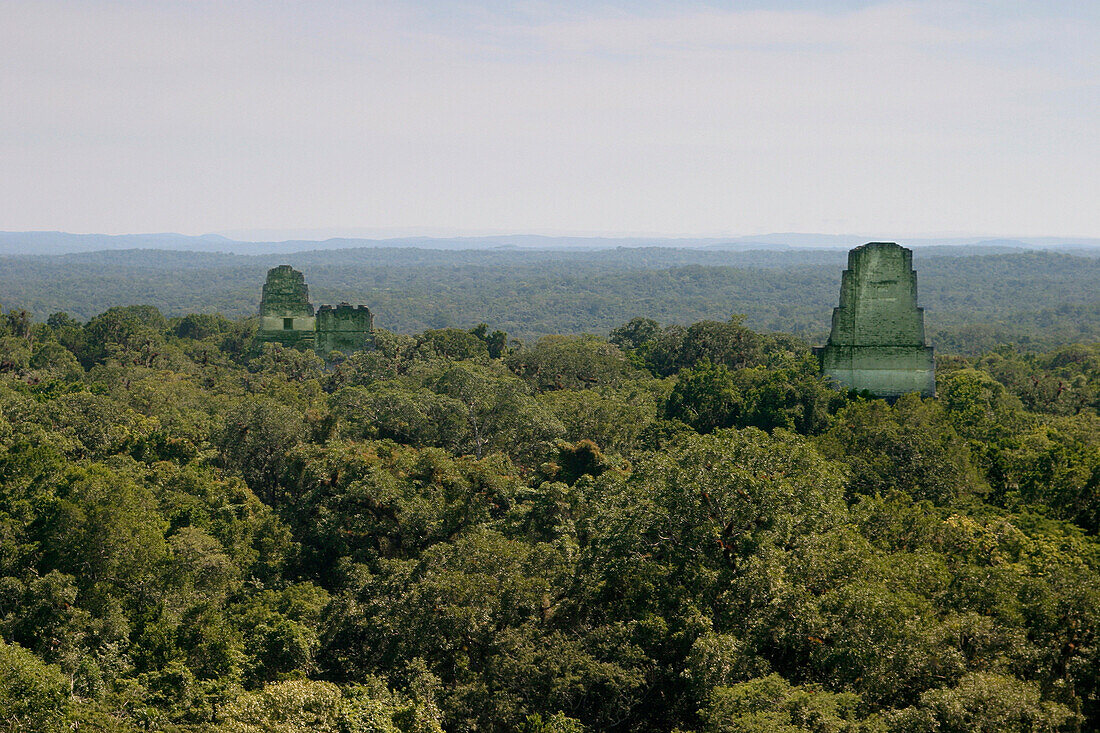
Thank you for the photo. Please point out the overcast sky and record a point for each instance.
(549, 117)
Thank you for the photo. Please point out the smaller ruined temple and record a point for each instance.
(287, 317)
(343, 327)
(877, 340)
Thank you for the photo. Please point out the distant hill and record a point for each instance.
(59, 243)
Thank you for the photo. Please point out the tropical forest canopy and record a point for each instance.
(673, 527)
(977, 298)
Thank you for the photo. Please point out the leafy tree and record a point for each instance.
(199, 326)
(720, 660)
(720, 499)
(288, 707)
(729, 344)
(452, 343)
(61, 320)
(556, 723)
(612, 418)
(794, 398)
(687, 541)
(496, 342)
(106, 532)
(985, 703)
(89, 425)
(978, 406)
(417, 417)
(386, 357)
(706, 398)
(1057, 466)
(129, 334)
(256, 439)
(18, 324)
(54, 358)
(635, 333)
(33, 695)
(499, 412)
(910, 446)
(296, 365)
(772, 705)
(367, 501)
(15, 354)
(1064, 382)
(571, 362)
(455, 605)
(574, 460)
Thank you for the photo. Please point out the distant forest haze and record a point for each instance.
(975, 297)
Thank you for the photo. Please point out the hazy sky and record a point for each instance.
(649, 117)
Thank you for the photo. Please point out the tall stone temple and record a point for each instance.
(287, 317)
(877, 340)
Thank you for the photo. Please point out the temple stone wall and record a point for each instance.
(287, 316)
(285, 293)
(877, 338)
(343, 328)
(281, 322)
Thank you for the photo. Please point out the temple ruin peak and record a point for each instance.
(877, 339)
(287, 317)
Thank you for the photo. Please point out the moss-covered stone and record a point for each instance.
(287, 316)
(343, 327)
(877, 340)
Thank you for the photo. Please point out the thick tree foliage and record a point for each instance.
(680, 528)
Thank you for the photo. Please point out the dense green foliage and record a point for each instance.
(976, 301)
(676, 528)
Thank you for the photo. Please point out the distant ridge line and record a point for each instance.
(60, 243)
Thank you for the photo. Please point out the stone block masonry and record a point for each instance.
(877, 340)
(343, 327)
(287, 317)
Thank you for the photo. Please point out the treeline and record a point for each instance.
(672, 528)
(975, 302)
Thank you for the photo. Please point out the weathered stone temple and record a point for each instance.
(877, 340)
(287, 316)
